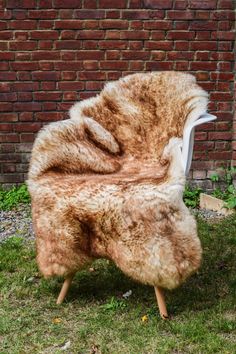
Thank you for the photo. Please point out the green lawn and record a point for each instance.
(96, 319)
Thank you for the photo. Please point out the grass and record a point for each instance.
(11, 198)
(95, 318)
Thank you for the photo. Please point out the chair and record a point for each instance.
(109, 181)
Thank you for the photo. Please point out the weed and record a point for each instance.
(228, 193)
(11, 198)
(113, 304)
(192, 196)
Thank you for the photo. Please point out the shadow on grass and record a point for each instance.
(215, 280)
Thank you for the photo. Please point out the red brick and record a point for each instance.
(203, 4)
(6, 35)
(181, 45)
(7, 56)
(68, 75)
(113, 44)
(66, 13)
(47, 66)
(134, 34)
(162, 45)
(180, 15)
(158, 55)
(136, 14)
(89, 14)
(45, 24)
(68, 44)
(135, 45)
(225, 4)
(180, 35)
(91, 34)
(4, 66)
(158, 25)
(8, 97)
(219, 135)
(223, 35)
(220, 155)
(28, 45)
(26, 117)
(70, 96)
(47, 96)
(112, 14)
(45, 76)
(114, 65)
(70, 65)
(116, 4)
(24, 66)
(203, 45)
(27, 106)
(157, 65)
(158, 4)
(203, 25)
(31, 24)
(136, 25)
(114, 24)
(223, 15)
(9, 168)
(222, 76)
(92, 75)
(5, 138)
(48, 86)
(203, 56)
(6, 127)
(203, 35)
(68, 34)
(138, 55)
(90, 65)
(90, 55)
(27, 127)
(113, 34)
(91, 24)
(90, 4)
(27, 138)
(11, 4)
(5, 14)
(71, 85)
(61, 4)
(69, 24)
(180, 4)
(182, 65)
(7, 76)
(48, 116)
(44, 35)
(204, 65)
(41, 55)
(181, 25)
(136, 65)
(180, 55)
(221, 96)
(157, 35)
(8, 117)
(42, 14)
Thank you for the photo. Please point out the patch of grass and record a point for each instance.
(11, 198)
(95, 318)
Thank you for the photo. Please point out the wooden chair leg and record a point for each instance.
(64, 289)
(161, 302)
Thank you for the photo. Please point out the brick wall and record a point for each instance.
(55, 52)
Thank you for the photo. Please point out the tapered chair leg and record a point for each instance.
(161, 302)
(65, 288)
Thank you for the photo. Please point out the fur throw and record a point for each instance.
(108, 182)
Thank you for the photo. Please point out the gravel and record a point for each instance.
(17, 222)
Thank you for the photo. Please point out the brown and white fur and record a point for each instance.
(108, 182)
